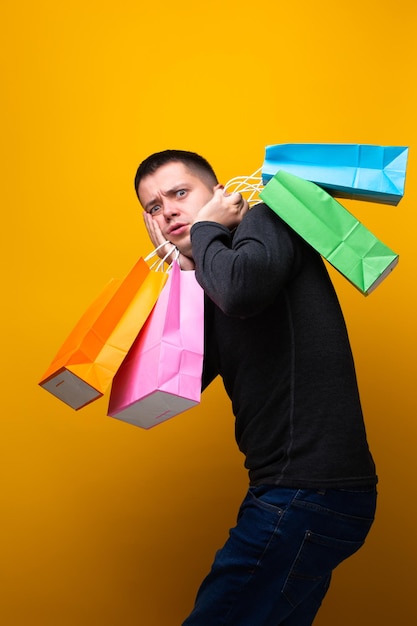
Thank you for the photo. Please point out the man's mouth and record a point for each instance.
(177, 229)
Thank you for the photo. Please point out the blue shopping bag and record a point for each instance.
(357, 171)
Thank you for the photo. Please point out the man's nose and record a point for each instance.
(170, 207)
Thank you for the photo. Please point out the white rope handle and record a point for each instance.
(251, 185)
(159, 262)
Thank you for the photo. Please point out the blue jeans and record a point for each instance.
(276, 565)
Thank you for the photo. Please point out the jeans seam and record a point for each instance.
(256, 567)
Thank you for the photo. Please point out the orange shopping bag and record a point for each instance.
(85, 365)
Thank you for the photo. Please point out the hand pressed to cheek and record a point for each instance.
(154, 231)
(157, 238)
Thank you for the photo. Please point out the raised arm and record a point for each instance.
(243, 270)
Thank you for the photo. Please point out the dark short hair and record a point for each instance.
(191, 160)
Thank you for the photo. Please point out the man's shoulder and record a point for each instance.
(266, 219)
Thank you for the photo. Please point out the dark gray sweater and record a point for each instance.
(276, 334)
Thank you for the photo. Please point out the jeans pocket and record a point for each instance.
(315, 560)
(272, 499)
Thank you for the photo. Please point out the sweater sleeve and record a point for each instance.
(242, 271)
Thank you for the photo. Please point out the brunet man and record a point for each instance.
(275, 333)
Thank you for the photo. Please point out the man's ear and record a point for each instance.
(218, 186)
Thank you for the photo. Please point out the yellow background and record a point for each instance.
(101, 522)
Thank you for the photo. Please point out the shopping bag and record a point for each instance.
(85, 365)
(334, 232)
(358, 171)
(161, 375)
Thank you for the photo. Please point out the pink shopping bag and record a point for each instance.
(161, 374)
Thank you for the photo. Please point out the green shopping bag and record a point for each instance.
(329, 228)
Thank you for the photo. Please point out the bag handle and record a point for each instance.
(159, 262)
(251, 185)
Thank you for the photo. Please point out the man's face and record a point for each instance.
(173, 195)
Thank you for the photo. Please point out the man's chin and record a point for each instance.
(183, 246)
(185, 251)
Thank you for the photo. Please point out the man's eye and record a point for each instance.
(181, 193)
(155, 209)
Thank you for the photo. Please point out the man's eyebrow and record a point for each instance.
(175, 188)
(168, 192)
(150, 203)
